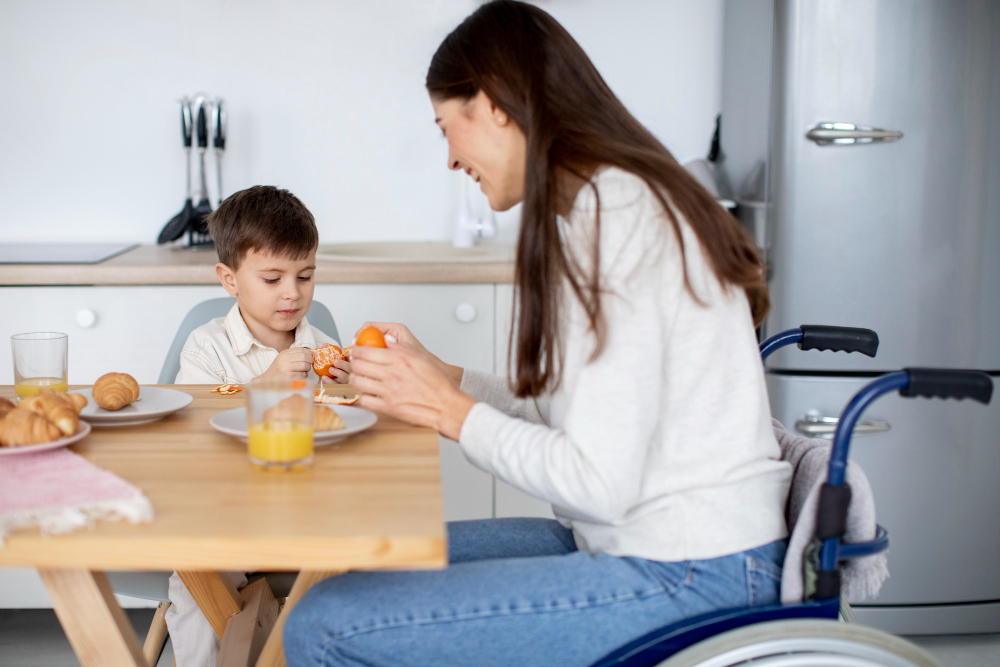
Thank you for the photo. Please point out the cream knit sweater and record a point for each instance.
(662, 447)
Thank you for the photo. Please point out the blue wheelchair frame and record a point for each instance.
(658, 645)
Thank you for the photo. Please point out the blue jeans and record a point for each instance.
(517, 592)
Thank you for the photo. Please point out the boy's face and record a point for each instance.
(274, 292)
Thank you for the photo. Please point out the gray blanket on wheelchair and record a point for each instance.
(861, 578)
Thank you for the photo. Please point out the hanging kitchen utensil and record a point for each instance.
(198, 230)
(219, 122)
(177, 225)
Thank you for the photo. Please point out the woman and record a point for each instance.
(636, 405)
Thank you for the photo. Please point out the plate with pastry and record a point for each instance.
(47, 420)
(330, 423)
(116, 399)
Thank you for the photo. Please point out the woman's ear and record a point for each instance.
(227, 277)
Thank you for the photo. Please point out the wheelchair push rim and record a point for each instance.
(803, 643)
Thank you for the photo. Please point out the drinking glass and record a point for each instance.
(39, 361)
(279, 424)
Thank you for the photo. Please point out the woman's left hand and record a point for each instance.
(400, 381)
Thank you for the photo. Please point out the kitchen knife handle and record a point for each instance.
(219, 125)
(202, 123)
(948, 383)
(186, 125)
(838, 339)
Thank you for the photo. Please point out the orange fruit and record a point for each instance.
(370, 336)
(323, 358)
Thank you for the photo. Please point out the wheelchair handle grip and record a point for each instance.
(948, 383)
(838, 339)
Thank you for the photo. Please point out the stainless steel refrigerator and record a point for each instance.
(861, 139)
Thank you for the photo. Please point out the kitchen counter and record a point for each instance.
(158, 265)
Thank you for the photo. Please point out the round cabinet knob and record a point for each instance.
(465, 312)
(86, 318)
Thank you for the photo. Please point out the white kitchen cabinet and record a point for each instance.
(455, 322)
(431, 311)
(507, 500)
(130, 328)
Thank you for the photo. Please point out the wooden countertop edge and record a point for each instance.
(347, 273)
(247, 553)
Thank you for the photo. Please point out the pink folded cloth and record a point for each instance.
(60, 491)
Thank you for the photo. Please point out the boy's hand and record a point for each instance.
(295, 362)
(340, 371)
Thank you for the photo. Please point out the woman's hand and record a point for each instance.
(403, 335)
(403, 381)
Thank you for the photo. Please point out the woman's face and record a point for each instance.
(487, 145)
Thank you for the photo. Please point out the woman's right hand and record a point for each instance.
(402, 334)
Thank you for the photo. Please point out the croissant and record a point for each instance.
(24, 427)
(56, 408)
(5, 406)
(79, 401)
(113, 391)
(326, 419)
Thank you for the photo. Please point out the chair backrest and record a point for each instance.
(319, 316)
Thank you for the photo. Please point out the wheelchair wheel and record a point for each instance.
(803, 643)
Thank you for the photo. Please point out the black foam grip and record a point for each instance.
(948, 383)
(839, 339)
(827, 584)
(831, 517)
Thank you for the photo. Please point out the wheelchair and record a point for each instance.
(808, 632)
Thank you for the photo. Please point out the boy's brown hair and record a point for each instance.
(262, 218)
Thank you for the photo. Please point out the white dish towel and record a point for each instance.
(861, 578)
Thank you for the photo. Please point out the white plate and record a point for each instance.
(234, 422)
(154, 403)
(81, 432)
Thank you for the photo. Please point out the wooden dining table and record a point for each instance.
(370, 502)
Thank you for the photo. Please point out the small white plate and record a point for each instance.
(81, 432)
(234, 422)
(154, 403)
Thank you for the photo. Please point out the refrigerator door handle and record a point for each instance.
(826, 134)
(815, 426)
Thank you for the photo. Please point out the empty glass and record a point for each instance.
(279, 424)
(40, 360)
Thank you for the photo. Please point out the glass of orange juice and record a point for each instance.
(279, 424)
(39, 361)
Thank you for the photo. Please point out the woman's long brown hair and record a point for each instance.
(533, 70)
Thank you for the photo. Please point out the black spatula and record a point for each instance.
(179, 223)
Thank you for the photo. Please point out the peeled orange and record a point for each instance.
(323, 358)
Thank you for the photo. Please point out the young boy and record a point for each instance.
(267, 243)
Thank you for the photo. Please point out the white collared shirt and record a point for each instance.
(224, 351)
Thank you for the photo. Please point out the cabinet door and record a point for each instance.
(119, 328)
(455, 322)
(509, 501)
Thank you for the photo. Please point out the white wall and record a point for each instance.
(325, 98)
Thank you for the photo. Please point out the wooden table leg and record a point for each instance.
(97, 628)
(273, 654)
(247, 631)
(216, 596)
